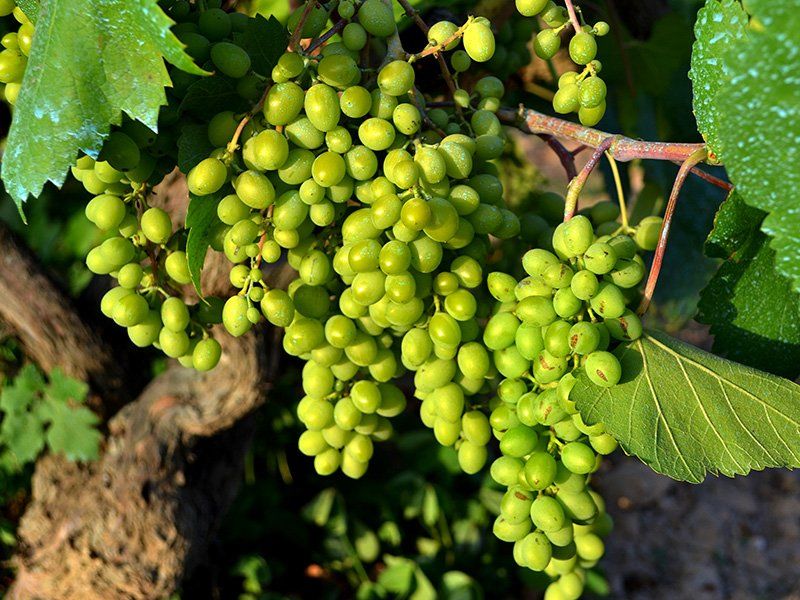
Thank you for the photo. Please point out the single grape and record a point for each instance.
(582, 48)
(603, 369)
(479, 42)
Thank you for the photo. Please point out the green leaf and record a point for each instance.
(686, 413)
(193, 146)
(65, 389)
(265, 41)
(756, 118)
(72, 431)
(90, 61)
(212, 95)
(23, 435)
(201, 218)
(753, 312)
(720, 27)
(398, 576)
(23, 391)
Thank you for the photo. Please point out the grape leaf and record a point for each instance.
(65, 389)
(720, 27)
(265, 40)
(23, 435)
(753, 312)
(685, 412)
(212, 95)
(756, 116)
(90, 61)
(19, 395)
(201, 218)
(72, 431)
(193, 146)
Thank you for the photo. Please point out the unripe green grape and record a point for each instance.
(116, 252)
(304, 134)
(156, 225)
(407, 118)
(355, 102)
(500, 331)
(393, 401)
(648, 232)
(535, 551)
(311, 443)
(592, 116)
(506, 469)
(360, 447)
(584, 337)
(518, 441)
(529, 341)
(567, 99)
(449, 402)
(174, 314)
(515, 505)
(603, 369)
(446, 432)
(394, 257)
(460, 61)
(207, 177)
(377, 18)
(578, 458)
(361, 163)
(547, 514)
(548, 368)
(234, 316)
(230, 59)
(416, 347)
(315, 268)
(625, 328)
(335, 436)
(339, 71)
(327, 461)
(627, 273)
(328, 169)
(426, 255)
(509, 532)
(130, 310)
(106, 211)
(376, 134)
(173, 344)
(592, 92)
(434, 373)
(146, 332)
(536, 310)
(461, 305)
(584, 285)
(471, 457)
(479, 42)
(546, 44)
(120, 151)
(206, 354)
(291, 64)
(601, 28)
(354, 36)
(600, 258)
(530, 8)
(284, 103)
(346, 415)
(609, 301)
(582, 48)
(406, 174)
(310, 300)
(603, 444)
(270, 150)
(130, 275)
(214, 23)
(442, 31)
(396, 78)
(578, 506)
(557, 339)
(501, 286)
(338, 140)
(540, 470)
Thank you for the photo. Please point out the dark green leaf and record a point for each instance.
(23, 435)
(686, 413)
(90, 61)
(193, 146)
(265, 42)
(23, 391)
(201, 218)
(212, 95)
(753, 312)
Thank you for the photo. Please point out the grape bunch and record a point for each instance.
(564, 316)
(16, 48)
(581, 92)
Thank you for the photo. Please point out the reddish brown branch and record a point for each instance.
(576, 185)
(566, 157)
(573, 17)
(658, 258)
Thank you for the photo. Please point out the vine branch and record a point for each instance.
(573, 16)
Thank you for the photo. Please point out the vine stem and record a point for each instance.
(658, 259)
(623, 208)
(440, 47)
(573, 16)
(576, 185)
(566, 157)
(337, 27)
(298, 30)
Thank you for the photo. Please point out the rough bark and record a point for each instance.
(132, 524)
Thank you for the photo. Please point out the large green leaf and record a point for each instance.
(720, 27)
(201, 219)
(753, 312)
(90, 61)
(686, 412)
(750, 96)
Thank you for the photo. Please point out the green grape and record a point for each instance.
(377, 18)
(600, 258)
(584, 338)
(120, 151)
(648, 232)
(207, 177)
(548, 368)
(206, 354)
(359, 447)
(117, 251)
(174, 314)
(322, 107)
(283, 103)
(339, 71)
(515, 505)
(231, 210)
(214, 24)
(557, 339)
(311, 443)
(407, 118)
(603, 444)
(361, 163)
(509, 532)
(624, 246)
(146, 332)
(584, 285)
(328, 169)
(625, 328)
(530, 8)
(234, 316)
(567, 99)
(446, 432)
(130, 310)
(578, 458)
(396, 78)
(535, 551)
(354, 36)
(270, 150)
(506, 470)
(106, 211)
(156, 225)
(346, 415)
(546, 44)
(340, 331)
(529, 341)
(627, 273)
(442, 31)
(327, 461)
(578, 506)
(338, 140)
(518, 441)
(592, 92)
(609, 302)
(355, 102)
(547, 514)
(460, 61)
(376, 134)
(582, 48)
(230, 59)
(603, 369)
(173, 344)
(540, 470)
(479, 42)
(471, 457)
(130, 275)
(536, 310)
(592, 116)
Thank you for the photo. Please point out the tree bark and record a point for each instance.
(133, 523)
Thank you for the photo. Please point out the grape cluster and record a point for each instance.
(583, 93)
(563, 316)
(16, 48)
